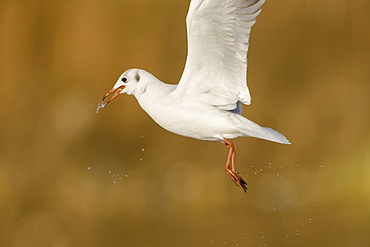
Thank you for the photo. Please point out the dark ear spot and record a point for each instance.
(137, 77)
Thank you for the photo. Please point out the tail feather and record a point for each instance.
(252, 129)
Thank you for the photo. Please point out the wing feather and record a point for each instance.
(218, 39)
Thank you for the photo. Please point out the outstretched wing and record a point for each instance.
(218, 38)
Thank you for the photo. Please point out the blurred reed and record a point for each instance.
(71, 177)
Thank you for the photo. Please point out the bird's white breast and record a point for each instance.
(199, 121)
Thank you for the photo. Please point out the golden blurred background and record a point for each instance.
(71, 177)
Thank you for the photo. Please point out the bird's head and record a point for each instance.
(128, 82)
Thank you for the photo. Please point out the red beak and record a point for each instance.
(117, 93)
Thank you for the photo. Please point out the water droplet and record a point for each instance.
(114, 181)
(109, 171)
(88, 168)
(143, 149)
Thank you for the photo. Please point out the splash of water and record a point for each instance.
(100, 105)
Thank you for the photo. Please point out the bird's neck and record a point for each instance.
(153, 93)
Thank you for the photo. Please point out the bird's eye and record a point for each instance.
(124, 79)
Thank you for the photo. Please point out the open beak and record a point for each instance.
(116, 94)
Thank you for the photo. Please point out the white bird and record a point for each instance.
(206, 103)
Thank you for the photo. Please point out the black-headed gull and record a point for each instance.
(206, 104)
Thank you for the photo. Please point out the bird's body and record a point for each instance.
(206, 104)
(202, 122)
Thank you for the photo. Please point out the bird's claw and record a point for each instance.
(238, 180)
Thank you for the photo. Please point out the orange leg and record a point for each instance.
(231, 168)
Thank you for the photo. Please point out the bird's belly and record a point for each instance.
(205, 124)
